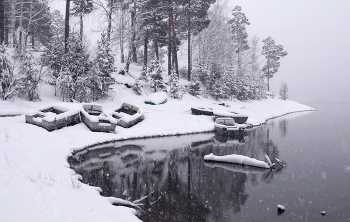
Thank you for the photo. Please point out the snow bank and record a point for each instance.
(238, 159)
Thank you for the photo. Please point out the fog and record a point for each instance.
(316, 35)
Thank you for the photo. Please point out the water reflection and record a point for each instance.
(172, 173)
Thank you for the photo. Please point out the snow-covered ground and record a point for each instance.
(36, 183)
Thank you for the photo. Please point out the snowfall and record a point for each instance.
(36, 182)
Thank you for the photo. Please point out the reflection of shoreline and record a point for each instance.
(236, 167)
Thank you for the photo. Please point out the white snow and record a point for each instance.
(281, 207)
(238, 159)
(36, 183)
(157, 97)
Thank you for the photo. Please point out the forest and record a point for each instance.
(38, 45)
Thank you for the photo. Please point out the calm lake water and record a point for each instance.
(314, 147)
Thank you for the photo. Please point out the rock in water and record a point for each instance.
(280, 209)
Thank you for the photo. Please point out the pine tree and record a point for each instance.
(238, 23)
(156, 79)
(217, 90)
(194, 87)
(272, 53)
(81, 8)
(8, 82)
(105, 64)
(52, 58)
(144, 74)
(75, 74)
(175, 88)
(283, 91)
(30, 77)
(137, 87)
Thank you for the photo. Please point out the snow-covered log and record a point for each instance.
(238, 159)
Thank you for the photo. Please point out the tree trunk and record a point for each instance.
(12, 24)
(133, 47)
(2, 21)
(33, 41)
(109, 27)
(128, 60)
(169, 45)
(81, 27)
(189, 66)
(145, 52)
(156, 48)
(121, 37)
(268, 74)
(174, 44)
(66, 26)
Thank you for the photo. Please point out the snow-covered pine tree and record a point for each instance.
(144, 74)
(215, 74)
(194, 87)
(229, 78)
(283, 91)
(105, 65)
(75, 74)
(217, 89)
(175, 88)
(8, 82)
(156, 79)
(30, 77)
(52, 58)
(238, 23)
(137, 87)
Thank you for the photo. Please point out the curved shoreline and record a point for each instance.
(181, 134)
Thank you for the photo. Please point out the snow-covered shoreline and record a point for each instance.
(37, 183)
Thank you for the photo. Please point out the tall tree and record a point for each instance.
(2, 21)
(197, 20)
(238, 23)
(66, 27)
(81, 8)
(272, 53)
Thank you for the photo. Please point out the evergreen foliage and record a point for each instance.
(30, 77)
(137, 87)
(105, 66)
(176, 91)
(238, 23)
(156, 79)
(144, 74)
(194, 87)
(283, 93)
(8, 82)
(272, 53)
(76, 72)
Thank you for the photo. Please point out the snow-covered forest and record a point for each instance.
(223, 61)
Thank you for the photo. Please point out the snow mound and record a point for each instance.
(238, 159)
(157, 98)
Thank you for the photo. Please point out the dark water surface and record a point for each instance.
(314, 146)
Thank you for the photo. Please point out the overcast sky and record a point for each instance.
(316, 35)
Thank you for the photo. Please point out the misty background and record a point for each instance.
(315, 33)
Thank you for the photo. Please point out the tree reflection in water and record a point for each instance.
(179, 185)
